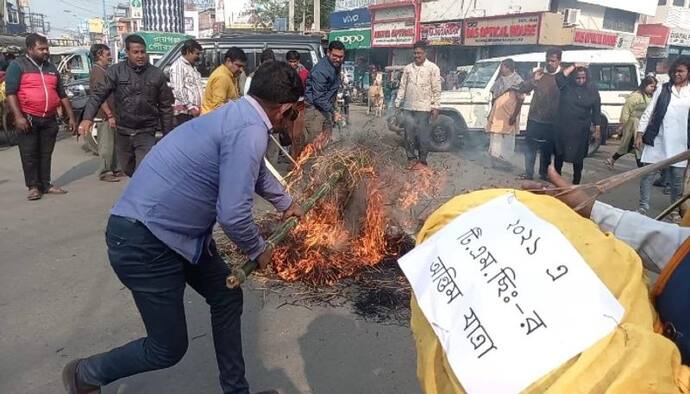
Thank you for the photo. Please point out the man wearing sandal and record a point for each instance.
(34, 94)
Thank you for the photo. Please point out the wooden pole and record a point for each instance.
(239, 275)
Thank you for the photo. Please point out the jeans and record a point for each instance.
(675, 175)
(577, 168)
(416, 124)
(36, 151)
(540, 137)
(106, 148)
(131, 150)
(156, 275)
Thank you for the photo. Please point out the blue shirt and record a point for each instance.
(322, 86)
(203, 172)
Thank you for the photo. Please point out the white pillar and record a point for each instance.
(317, 15)
(291, 15)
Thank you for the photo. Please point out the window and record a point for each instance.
(612, 77)
(480, 75)
(678, 3)
(620, 20)
(525, 69)
(662, 2)
(207, 62)
(12, 17)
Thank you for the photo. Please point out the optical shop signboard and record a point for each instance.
(499, 285)
(517, 30)
(353, 39)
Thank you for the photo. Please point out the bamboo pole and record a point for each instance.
(613, 182)
(239, 275)
(672, 207)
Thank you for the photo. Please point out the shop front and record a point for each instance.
(520, 33)
(445, 45)
(657, 51)
(394, 30)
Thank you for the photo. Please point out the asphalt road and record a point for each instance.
(59, 298)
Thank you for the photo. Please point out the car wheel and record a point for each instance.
(604, 130)
(443, 135)
(9, 132)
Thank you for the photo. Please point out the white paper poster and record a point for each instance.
(509, 298)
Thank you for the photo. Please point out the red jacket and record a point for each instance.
(38, 89)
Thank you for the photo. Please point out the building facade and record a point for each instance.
(163, 15)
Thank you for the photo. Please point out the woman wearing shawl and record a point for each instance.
(633, 109)
(579, 107)
(504, 122)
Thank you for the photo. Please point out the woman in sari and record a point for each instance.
(504, 119)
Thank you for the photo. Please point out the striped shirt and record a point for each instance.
(186, 85)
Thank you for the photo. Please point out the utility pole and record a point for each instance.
(291, 15)
(317, 15)
(106, 30)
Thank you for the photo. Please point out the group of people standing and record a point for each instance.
(565, 114)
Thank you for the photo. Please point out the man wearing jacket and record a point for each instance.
(144, 104)
(322, 89)
(34, 94)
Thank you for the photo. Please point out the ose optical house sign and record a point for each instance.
(353, 39)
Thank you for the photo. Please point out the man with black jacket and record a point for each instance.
(144, 104)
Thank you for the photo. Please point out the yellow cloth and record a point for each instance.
(632, 359)
(221, 88)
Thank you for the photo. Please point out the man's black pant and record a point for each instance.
(156, 275)
(540, 138)
(417, 129)
(131, 149)
(182, 118)
(577, 168)
(36, 151)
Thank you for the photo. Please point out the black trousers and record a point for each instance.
(416, 124)
(36, 151)
(577, 168)
(157, 276)
(540, 138)
(181, 118)
(131, 150)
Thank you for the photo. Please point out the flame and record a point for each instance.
(420, 185)
(321, 249)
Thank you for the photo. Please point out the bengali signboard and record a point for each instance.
(393, 34)
(161, 42)
(352, 4)
(353, 39)
(499, 285)
(444, 33)
(514, 30)
(349, 19)
(680, 38)
(658, 34)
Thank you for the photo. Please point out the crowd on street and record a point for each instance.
(195, 155)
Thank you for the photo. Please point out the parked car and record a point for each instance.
(214, 50)
(615, 73)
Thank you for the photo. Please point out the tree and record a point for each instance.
(270, 10)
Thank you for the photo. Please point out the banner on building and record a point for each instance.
(679, 38)
(595, 38)
(191, 23)
(639, 47)
(393, 34)
(657, 33)
(515, 30)
(135, 9)
(160, 42)
(443, 33)
(349, 19)
(95, 25)
(353, 39)
(351, 4)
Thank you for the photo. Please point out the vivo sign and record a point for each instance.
(351, 18)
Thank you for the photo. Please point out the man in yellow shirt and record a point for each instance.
(223, 84)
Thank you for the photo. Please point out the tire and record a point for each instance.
(604, 130)
(443, 135)
(8, 131)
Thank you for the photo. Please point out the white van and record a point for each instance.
(615, 72)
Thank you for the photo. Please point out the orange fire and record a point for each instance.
(322, 249)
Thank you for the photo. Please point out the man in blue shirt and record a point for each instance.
(319, 97)
(159, 233)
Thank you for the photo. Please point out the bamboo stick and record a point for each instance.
(239, 275)
(672, 207)
(282, 149)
